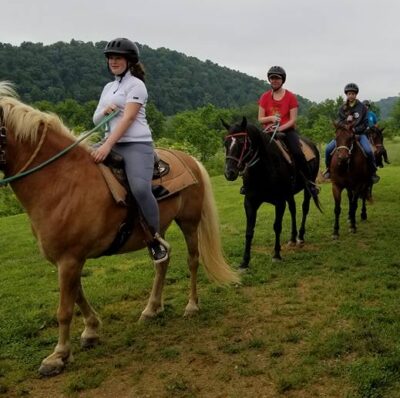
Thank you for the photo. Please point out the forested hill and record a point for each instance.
(77, 70)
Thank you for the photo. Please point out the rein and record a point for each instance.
(23, 173)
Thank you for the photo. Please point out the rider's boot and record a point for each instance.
(159, 249)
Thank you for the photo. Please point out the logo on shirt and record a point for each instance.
(356, 115)
(135, 97)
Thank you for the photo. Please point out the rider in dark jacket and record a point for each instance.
(355, 112)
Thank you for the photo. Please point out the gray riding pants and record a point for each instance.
(139, 164)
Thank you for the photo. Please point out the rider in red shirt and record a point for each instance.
(279, 105)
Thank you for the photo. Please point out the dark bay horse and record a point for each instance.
(349, 171)
(74, 216)
(267, 177)
(375, 136)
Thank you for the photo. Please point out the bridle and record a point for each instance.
(349, 149)
(248, 156)
(3, 145)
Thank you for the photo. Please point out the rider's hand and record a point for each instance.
(109, 109)
(101, 153)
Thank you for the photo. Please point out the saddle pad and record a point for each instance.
(116, 188)
(179, 176)
(305, 148)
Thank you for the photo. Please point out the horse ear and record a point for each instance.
(383, 128)
(244, 123)
(226, 125)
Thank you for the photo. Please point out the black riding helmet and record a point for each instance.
(124, 47)
(351, 87)
(278, 71)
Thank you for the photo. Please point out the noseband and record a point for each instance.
(347, 148)
(246, 152)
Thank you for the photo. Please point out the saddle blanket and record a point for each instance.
(179, 177)
(307, 151)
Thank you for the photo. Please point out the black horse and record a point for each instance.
(267, 177)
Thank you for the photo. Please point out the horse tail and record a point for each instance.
(210, 248)
(317, 202)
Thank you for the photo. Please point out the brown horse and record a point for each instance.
(349, 170)
(74, 217)
(375, 136)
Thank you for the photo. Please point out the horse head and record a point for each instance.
(344, 142)
(375, 136)
(238, 149)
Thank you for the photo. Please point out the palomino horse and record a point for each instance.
(74, 217)
(349, 170)
(267, 177)
(375, 136)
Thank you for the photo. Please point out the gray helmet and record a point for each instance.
(123, 46)
(367, 103)
(278, 71)
(351, 87)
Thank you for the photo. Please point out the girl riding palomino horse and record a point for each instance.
(129, 134)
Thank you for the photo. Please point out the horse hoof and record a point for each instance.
(190, 312)
(276, 259)
(335, 237)
(48, 370)
(352, 230)
(300, 243)
(291, 243)
(89, 342)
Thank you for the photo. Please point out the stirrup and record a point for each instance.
(375, 178)
(326, 174)
(159, 249)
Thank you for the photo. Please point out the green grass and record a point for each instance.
(324, 322)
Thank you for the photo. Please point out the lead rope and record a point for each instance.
(22, 173)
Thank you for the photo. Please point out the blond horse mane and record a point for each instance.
(23, 120)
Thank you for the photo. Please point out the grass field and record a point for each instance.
(325, 322)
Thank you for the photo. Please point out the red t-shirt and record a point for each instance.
(281, 107)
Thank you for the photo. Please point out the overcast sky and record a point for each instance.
(322, 44)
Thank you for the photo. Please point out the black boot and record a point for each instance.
(374, 177)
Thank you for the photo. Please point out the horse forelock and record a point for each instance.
(23, 121)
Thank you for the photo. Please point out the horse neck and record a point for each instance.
(29, 189)
(271, 164)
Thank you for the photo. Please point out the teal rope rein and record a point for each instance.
(106, 119)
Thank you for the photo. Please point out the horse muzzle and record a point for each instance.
(231, 175)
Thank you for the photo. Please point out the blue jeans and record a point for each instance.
(365, 145)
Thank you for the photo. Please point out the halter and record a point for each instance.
(246, 152)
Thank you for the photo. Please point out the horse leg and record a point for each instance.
(292, 209)
(69, 273)
(364, 209)
(305, 210)
(279, 211)
(192, 243)
(89, 336)
(353, 204)
(251, 208)
(155, 305)
(337, 195)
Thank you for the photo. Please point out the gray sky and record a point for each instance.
(322, 44)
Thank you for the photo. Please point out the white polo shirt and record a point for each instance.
(120, 92)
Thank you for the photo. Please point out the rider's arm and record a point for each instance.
(292, 120)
